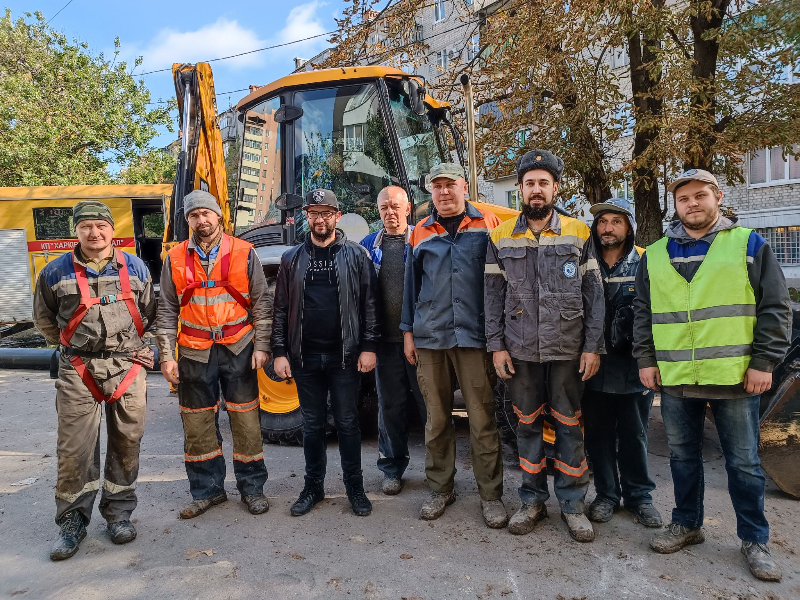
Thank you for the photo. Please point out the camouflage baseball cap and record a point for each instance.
(449, 170)
(91, 209)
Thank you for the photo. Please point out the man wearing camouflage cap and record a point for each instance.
(544, 326)
(712, 320)
(444, 336)
(95, 302)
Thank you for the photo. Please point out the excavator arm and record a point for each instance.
(201, 162)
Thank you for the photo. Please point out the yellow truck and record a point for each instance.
(36, 227)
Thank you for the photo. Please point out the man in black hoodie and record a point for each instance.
(616, 405)
(325, 332)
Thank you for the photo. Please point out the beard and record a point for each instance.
(708, 219)
(537, 213)
(611, 241)
(325, 235)
(207, 230)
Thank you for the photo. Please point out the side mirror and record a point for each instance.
(286, 202)
(422, 184)
(416, 95)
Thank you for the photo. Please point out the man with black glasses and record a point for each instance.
(325, 333)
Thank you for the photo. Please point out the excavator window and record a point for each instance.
(341, 144)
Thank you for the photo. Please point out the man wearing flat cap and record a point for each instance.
(444, 336)
(213, 286)
(95, 303)
(544, 327)
(712, 319)
(325, 334)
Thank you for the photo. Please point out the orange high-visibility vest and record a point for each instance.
(214, 308)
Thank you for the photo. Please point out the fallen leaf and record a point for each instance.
(467, 576)
(193, 553)
(17, 592)
(406, 556)
(665, 576)
(167, 530)
(297, 556)
(207, 552)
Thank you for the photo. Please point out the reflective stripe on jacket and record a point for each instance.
(544, 298)
(443, 293)
(700, 337)
(212, 308)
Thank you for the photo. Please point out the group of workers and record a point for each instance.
(581, 324)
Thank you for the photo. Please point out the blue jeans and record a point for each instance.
(322, 374)
(615, 427)
(737, 426)
(395, 378)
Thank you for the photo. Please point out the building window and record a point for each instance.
(251, 185)
(264, 173)
(269, 133)
(473, 46)
(439, 12)
(619, 58)
(785, 243)
(223, 122)
(623, 120)
(263, 186)
(266, 145)
(771, 166)
(249, 198)
(354, 138)
(265, 160)
(250, 171)
(255, 144)
(441, 59)
(418, 33)
(514, 199)
(251, 157)
(255, 131)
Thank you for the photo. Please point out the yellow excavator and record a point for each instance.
(355, 130)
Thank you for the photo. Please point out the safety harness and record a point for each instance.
(83, 308)
(193, 284)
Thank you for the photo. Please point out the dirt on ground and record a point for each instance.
(331, 553)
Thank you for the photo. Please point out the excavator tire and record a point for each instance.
(285, 429)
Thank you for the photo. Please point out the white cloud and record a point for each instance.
(227, 37)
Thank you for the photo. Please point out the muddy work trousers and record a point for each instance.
(198, 396)
(437, 371)
(79, 418)
(550, 388)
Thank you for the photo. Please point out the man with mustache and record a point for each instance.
(395, 377)
(214, 286)
(325, 335)
(96, 302)
(712, 321)
(616, 406)
(544, 325)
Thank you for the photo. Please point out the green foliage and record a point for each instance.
(155, 166)
(66, 115)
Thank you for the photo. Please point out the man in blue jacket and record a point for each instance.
(396, 378)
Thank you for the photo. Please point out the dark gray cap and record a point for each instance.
(320, 197)
(540, 159)
(200, 199)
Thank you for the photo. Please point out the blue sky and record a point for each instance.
(170, 31)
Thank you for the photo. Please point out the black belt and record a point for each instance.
(69, 351)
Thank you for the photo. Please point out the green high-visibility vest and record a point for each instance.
(703, 330)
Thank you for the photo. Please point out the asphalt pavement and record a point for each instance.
(331, 553)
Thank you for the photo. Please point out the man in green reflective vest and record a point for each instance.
(712, 321)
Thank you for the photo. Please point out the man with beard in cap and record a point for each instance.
(544, 325)
(325, 335)
(616, 406)
(213, 285)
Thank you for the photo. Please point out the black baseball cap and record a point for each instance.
(320, 197)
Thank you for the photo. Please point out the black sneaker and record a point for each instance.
(646, 514)
(358, 500)
(122, 532)
(310, 496)
(73, 530)
(601, 510)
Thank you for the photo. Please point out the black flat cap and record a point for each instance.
(540, 159)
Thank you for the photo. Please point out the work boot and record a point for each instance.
(391, 486)
(760, 561)
(646, 514)
(358, 498)
(525, 519)
(494, 514)
(197, 507)
(257, 504)
(434, 506)
(675, 537)
(310, 496)
(601, 510)
(579, 526)
(122, 532)
(73, 530)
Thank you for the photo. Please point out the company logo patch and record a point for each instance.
(570, 269)
(319, 196)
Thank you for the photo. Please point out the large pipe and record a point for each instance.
(25, 358)
(469, 110)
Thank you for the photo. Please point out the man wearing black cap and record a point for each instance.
(616, 406)
(325, 333)
(544, 324)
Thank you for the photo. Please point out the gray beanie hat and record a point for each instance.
(200, 199)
